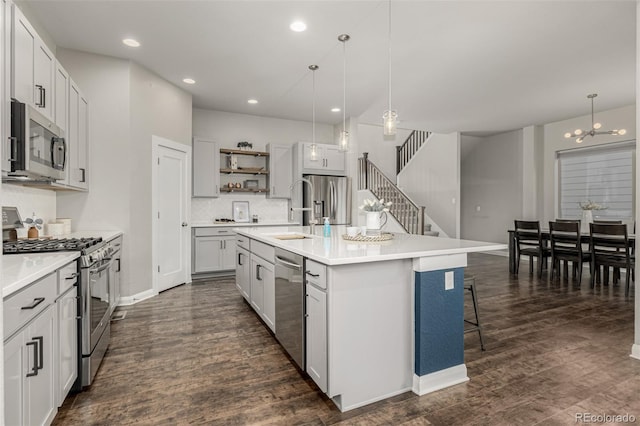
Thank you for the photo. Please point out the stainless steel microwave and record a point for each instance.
(38, 149)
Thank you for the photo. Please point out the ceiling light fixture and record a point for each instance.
(298, 26)
(389, 117)
(343, 142)
(336, 109)
(252, 101)
(131, 42)
(189, 80)
(580, 134)
(314, 147)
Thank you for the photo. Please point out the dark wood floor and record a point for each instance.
(197, 354)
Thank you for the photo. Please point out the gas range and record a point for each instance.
(91, 249)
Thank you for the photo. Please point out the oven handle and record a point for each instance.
(100, 269)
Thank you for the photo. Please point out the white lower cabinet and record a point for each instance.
(67, 344)
(214, 250)
(243, 272)
(263, 296)
(29, 372)
(316, 329)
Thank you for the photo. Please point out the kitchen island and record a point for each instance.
(382, 318)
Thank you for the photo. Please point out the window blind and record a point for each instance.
(602, 174)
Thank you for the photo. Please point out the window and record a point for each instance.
(603, 174)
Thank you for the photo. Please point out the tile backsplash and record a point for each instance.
(205, 210)
(28, 201)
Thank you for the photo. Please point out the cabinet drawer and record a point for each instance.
(316, 273)
(212, 232)
(263, 250)
(67, 277)
(242, 241)
(35, 298)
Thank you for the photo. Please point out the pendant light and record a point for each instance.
(580, 134)
(343, 143)
(390, 117)
(314, 147)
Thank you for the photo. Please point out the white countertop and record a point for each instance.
(19, 270)
(237, 224)
(337, 251)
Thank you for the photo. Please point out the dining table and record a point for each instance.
(513, 260)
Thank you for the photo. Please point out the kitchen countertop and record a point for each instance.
(243, 224)
(337, 251)
(20, 270)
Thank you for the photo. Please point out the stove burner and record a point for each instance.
(42, 246)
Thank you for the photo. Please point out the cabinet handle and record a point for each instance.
(84, 175)
(313, 275)
(239, 259)
(34, 369)
(72, 276)
(36, 302)
(13, 141)
(258, 277)
(118, 260)
(40, 340)
(40, 103)
(221, 245)
(224, 243)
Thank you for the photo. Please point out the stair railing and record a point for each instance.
(405, 211)
(405, 152)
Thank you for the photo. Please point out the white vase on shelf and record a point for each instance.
(587, 218)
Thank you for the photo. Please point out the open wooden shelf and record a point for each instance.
(223, 189)
(242, 152)
(246, 171)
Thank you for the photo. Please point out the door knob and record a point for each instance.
(184, 224)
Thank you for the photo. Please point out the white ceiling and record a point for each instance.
(473, 66)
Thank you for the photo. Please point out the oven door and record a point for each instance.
(95, 313)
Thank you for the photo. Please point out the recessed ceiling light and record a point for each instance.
(335, 109)
(298, 26)
(252, 101)
(189, 80)
(131, 42)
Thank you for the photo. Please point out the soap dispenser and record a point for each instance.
(327, 227)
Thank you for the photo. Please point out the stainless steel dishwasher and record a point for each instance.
(290, 325)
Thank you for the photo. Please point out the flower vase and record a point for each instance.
(373, 222)
(587, 218)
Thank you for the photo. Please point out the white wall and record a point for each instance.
(228, 129)
(435, 183)
(127, 104)
(491, 185)
(381, 149)
(554, 140)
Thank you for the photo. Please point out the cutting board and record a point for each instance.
(289, 237)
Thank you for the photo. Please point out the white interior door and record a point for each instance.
(171, 204)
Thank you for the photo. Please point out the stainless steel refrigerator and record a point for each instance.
(331, 198)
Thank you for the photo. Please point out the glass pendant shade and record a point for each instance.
(343, 143)
(314, 152)
(390, 120)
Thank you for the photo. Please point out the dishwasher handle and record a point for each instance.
(287, 264)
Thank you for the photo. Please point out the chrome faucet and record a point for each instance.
(312, 220)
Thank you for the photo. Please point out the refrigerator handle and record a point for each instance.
(332, 200)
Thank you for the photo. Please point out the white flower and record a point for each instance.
(375, 205)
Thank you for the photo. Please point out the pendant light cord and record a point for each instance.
(344, 86)
(389, 54)
(313, 109)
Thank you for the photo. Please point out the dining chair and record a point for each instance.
(566, 246)
(609, 245)
(529, 242)
(616, 271)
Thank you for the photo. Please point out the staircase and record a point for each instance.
(406, 212)
(404, 152)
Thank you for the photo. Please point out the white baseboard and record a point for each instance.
(635, 351)
(132, 300)
(440, 379)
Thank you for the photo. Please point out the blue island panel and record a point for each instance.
(439, 316)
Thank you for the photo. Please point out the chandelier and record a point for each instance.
(580, 134)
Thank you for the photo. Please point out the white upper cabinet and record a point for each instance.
(33, 73)
(61, 110)
(325, 159)
(206, 168)
(280, 171)
(77, 138)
